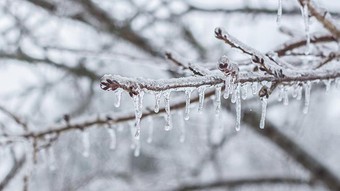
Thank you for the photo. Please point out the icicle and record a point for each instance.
(327, 84)
(51, 159)
(238, 107)
(299, 93)
(281, 93)
(86, 143)
(254, 88)
(182, 129)
(187, 104)
(244, 91)
(285, 97)
(233, 93)
(337, 83)
(279, 13)
(113, 137)
(150, 124)
(226, 88)
(136, 153)
(157, 101)
(218, 100)
(295, 90)
(201, 95)
(138, 104)
(118, 95)
(168, 122)
(304, 11)
(307, 87)
(264, 111)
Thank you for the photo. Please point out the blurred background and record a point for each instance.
(54, 52)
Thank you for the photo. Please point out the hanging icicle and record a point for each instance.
(218, 100)
(285, 96)
(238, 107)
(254, 88)
(118, 96)
(157, 101)
(113, 137)
(227, 87)
(264, 102)
(327, 84)
(138, 104)
(51, 158)
(201, 94)
(281, 93)
(187, 104)
(307, 87)
(136, 153)
(244, 91)
(305, 15)
(86, 143)
(168, 120)
(279, 12)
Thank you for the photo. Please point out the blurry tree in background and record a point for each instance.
(188, 106)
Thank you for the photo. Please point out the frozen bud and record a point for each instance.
(264, 92)
(227, 67)
(108, 84)
(218, 33)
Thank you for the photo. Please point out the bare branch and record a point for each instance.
(299, 154)
(244, 182)
(321, 16)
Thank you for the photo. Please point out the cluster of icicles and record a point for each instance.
(235, 91)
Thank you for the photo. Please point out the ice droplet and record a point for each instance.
(218, 100)
(201, 95)
(118, 96)
(168, 121)
(138, 104)
(279, 13)
(150, 124)
(187, 104)
(86, 143)
(263, 112)
(307, 87)
(226, 87)
(51, 158)
(238, 107)
(157, 101)
(113, 137)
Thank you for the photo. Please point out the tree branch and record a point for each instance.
(243, 182)
(300, 155)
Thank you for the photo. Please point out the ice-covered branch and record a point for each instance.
(265, 62)
(134, 85)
